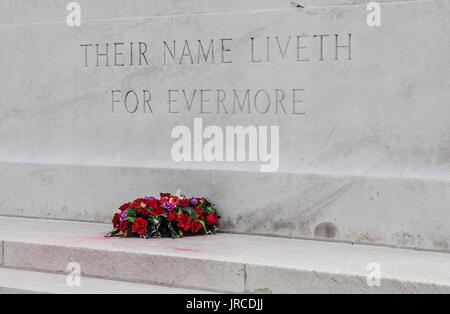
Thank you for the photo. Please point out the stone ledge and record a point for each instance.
(226, 262)
(39, 282)
(402, 212)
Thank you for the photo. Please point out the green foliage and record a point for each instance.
(112, 233)
(173, 232)
(203, 224)
(153, 231)
(163, 215)
(210, 209)
(190, 211)
(127, 233)
(132, 213)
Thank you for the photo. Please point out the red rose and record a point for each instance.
(182, 216)
(158, 211)
(196, 226)
(212, 219)
(173, 215)
(146, 203)
(184, 222)
(203, 200)
(124, 207)
(165, 195)
(187, 224)
(136, 205)
(140, 226)
(144, 212)
(116, 220)
(154, 203)
(124, 225)
(184, 202)
(200, 213)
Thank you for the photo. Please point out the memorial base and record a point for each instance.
(221, 263)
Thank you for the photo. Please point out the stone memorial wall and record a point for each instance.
(304, 122)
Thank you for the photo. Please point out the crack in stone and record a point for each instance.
(245, 278)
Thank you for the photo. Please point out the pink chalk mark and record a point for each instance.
(183, 249)
(97, 238)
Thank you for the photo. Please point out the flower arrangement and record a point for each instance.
(170, 216)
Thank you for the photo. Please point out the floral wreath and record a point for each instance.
(170, 216)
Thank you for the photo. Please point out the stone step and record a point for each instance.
(40, 282)
(223, 263)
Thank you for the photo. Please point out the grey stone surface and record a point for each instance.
(264, 279)
(39, 282)
(368, 162)
(128, 265)
(29, 11)
(224, 262)
(362, 209)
